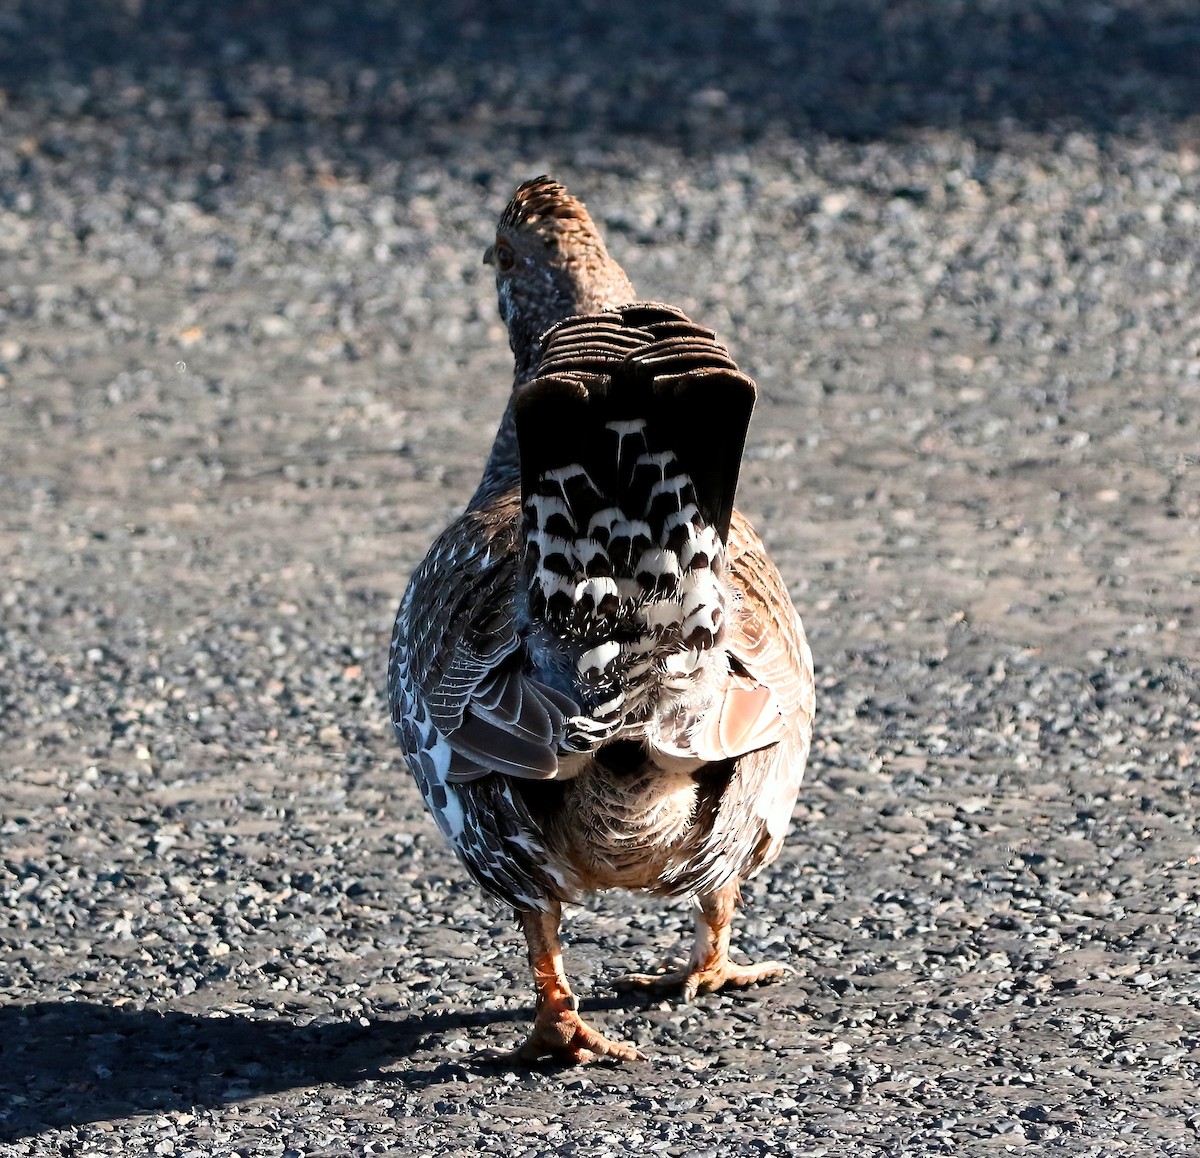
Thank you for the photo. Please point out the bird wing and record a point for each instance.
(458, 659)
(769, 696)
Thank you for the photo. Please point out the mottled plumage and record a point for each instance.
(551, 262)
(596, 675)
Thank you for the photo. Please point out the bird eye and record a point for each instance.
(505, 258)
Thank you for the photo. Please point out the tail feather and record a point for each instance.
(631, 438)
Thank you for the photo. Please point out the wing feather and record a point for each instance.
(463, 655)
(765, 636)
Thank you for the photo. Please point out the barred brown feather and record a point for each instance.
(540, 199)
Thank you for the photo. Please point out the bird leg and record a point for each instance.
(710, 968)
(559, 1034)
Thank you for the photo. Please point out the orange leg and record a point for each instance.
(710, 968)
(559, 1034)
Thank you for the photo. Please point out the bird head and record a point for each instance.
(551, 263)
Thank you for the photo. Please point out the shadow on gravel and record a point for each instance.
(64, 1064)
(701, 76)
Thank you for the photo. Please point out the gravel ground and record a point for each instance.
(249, 365)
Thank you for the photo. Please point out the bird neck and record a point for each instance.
(604, 287)
(503, 469)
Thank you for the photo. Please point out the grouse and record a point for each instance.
(597, 677)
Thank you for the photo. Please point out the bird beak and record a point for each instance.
(489, 255)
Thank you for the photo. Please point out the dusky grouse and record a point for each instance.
(597, 676)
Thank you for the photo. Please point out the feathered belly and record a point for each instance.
(618, 829)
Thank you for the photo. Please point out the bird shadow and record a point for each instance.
(65, 1064)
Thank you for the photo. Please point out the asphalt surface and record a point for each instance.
(249, 366)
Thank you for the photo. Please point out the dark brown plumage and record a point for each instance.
(597, 676)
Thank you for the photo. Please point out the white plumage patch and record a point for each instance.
(546, 505)
(631, 529)
(659, 461)
(659, 563)
(548, 544)
(595, 591)
(604, 520)
(670, 486)
(623, 429)
(596, 659)
(565, 474)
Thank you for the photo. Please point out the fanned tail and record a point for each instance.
(631, 439)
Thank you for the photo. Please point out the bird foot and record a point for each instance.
(690, 981)
(562, 1037)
